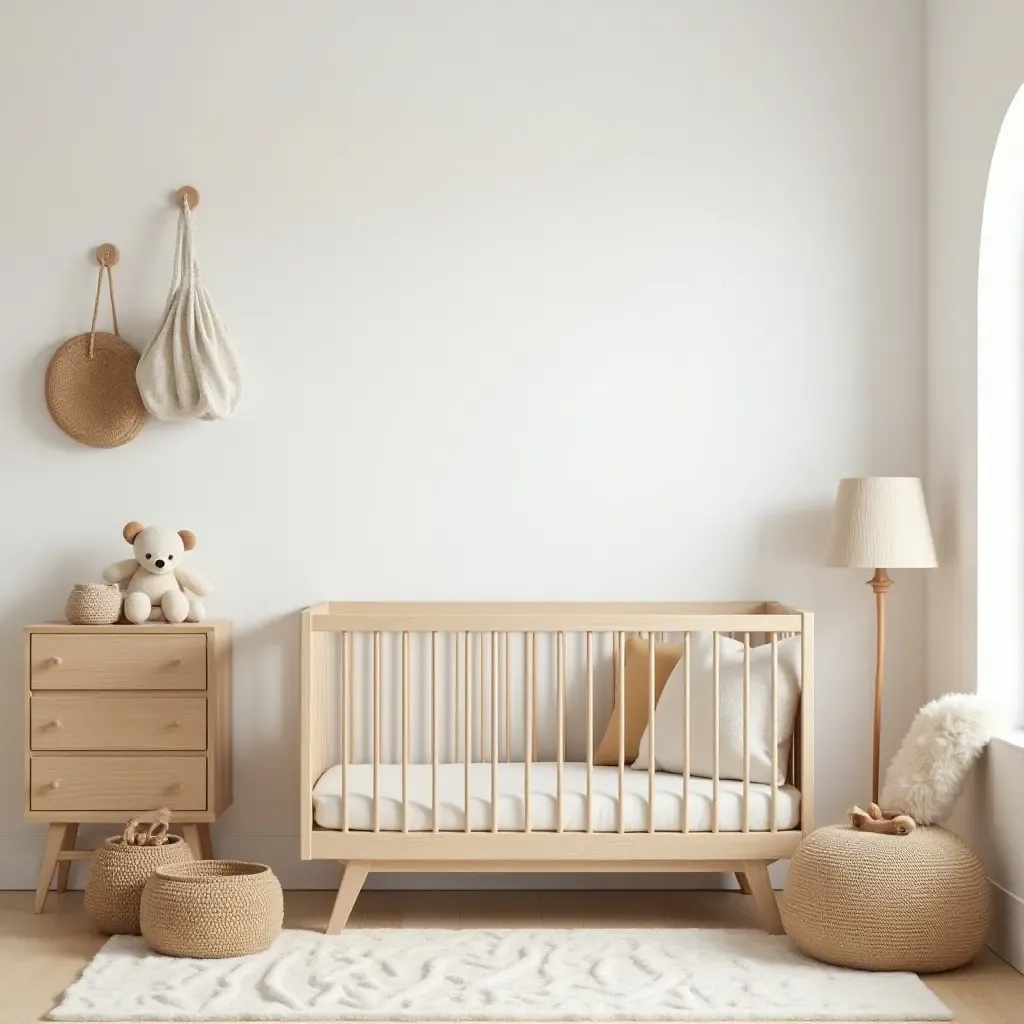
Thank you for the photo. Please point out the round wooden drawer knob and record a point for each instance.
(56, 724)
(54, 661)
(55, 784)
(174, 725)
(175, 787)
(177, 662)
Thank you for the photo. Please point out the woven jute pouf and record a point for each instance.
(875, 902)
(94, 398)
(93, 604)
(212, 908)
(119, 869)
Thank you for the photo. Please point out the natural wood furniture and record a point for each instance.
(121, 720)
(426, 684)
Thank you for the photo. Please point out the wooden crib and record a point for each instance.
(461, 737)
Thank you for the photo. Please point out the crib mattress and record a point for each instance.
(668, 800)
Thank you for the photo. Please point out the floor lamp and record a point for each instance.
(880, 523)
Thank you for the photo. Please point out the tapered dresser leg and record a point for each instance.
(190, 831)
(54, 842)
(205, 842)
(64, 866)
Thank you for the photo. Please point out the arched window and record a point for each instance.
(1001, 424)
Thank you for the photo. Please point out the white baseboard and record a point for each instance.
(1007, 934)
(20, 853)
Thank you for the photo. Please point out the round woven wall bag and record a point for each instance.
(90, 381)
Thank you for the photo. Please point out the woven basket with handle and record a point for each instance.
(212, 908)
(119, 868)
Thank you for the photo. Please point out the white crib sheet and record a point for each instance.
(668, 800)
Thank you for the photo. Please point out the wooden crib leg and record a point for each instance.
(756, 872)
(741, 881)
(353, 874)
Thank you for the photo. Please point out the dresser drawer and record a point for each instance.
(117, 783)
(118, 661)
(108, 721)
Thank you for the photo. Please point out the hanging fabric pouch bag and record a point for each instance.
(190, 369)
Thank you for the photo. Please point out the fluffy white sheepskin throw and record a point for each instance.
(931, 766)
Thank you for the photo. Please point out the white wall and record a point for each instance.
(586, 300)
(976, 492)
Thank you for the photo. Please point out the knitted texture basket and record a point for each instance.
(95, 399)
(118, 870)
(93, 604)
(874, 902)
(212, 908)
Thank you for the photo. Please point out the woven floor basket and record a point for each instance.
(93, 604)
(212, 908)
(887, 903)
(96, 401)
(118, 872)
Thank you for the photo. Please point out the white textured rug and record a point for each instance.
(506, 975)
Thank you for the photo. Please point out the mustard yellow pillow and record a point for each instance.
(636, 697)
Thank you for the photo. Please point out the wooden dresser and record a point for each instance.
(121, 720)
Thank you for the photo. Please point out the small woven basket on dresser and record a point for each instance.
(93, 604)
(119, 869)
(212, 908)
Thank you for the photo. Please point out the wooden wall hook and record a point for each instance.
(107, 254)
(187, 194)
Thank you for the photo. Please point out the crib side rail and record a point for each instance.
(467, 675)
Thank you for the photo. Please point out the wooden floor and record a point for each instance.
(41, 955)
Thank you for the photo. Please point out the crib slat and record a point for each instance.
(651, 731)
(483, 720)
(533, 686)
(346, 728)
(405, 731)
(508, 700)
(561, 724)
(433, 731)
(351, 702)
(376, 732)
(590, 732)
(746, 732)
(686, 732)
(715, 708)
(775, 730)
(529, 644)
(494, 732)
(620, 661)
(455, 702)
(469, 727)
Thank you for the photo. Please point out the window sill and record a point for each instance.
(1011, 737)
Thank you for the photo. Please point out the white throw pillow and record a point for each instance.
(669, 714)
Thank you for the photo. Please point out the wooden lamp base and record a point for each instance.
(880, 583)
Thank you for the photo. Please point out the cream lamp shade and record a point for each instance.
(881, 522)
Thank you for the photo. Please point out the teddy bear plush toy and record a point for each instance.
(158, 585)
